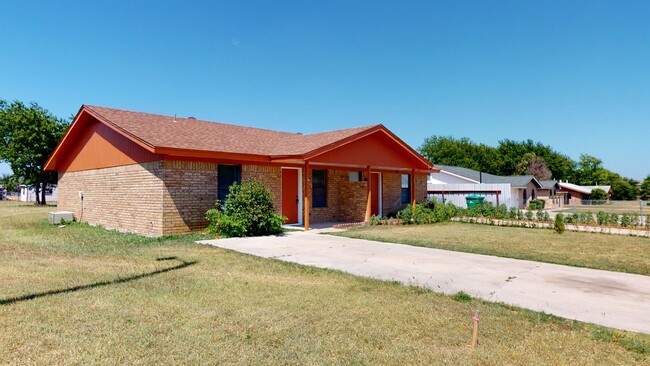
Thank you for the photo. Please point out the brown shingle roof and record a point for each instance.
(160, 131)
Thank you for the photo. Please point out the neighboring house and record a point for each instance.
(575, 194)
(513, 191)
(550, 194)
(158, 175)
(28, 194)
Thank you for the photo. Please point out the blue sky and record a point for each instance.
(571, 74)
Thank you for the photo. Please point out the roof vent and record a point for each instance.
(298, 133)
(191, 117)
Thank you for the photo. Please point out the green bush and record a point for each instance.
(559, 225)
(536, 205)
(628, 220)
(248, 211)
(529, 215)
(424, 214)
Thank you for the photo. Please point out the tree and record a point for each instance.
(644, 190)
(10, 182)
(28, 135)
(533, 165)
(591, 172)
(598, 194)
(623, 190)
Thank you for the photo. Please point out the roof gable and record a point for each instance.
(189, 137)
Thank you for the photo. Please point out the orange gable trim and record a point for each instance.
(328, 153)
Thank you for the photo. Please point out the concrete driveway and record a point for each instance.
(612, 299)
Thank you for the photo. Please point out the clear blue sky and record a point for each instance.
(572, 74)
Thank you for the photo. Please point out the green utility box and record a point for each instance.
(473, 200)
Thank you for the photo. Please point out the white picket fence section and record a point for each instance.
(456, 193)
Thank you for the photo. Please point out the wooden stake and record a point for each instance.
(475, 332)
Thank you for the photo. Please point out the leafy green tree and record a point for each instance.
(591, 172)
(598, 194)
(461, 152)
(10, 182)
(623, 190)
(644, 191)
(28, 135)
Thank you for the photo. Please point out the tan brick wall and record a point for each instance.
(189, 190)
(392, 191)
(171, 197)
(126, 198)
(353, 199)
(331, 212)
(271, 176)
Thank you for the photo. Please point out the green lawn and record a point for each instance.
(593, 250)
(83, 295)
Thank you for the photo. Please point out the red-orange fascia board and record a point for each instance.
(74, 130)
(215, 155)
(378, 128)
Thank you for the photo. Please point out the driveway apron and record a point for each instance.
(612, 299)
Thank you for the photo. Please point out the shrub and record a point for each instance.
(513, 213)
(559, 225)
(536, 205)
(529, 215)
(375, 220)
(425, 215)
(628, 220)
(602, 218)
(248, 211)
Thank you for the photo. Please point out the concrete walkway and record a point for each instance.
(617, 300)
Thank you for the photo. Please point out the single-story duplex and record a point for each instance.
(158, 175)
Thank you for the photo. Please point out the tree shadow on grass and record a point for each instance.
(183, 264)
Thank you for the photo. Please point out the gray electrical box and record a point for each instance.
(56, 217)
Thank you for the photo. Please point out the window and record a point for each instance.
(406, 188)
(319, 188)
(525, 196)
(355, 176)
(226, 176)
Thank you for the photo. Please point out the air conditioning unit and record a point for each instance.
(58, 216)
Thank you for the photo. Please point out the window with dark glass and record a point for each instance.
(226, 176)
(406, 188)
(319, 188)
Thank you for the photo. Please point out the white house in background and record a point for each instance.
(27, 193)
(453, 184)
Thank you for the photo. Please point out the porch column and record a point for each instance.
(413, 188)
(369, 194)
(307, 190)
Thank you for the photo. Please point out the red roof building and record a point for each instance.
(157, 175)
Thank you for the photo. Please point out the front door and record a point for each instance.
(290, 195)
(374, 195)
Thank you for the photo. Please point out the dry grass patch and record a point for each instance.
(230, 308)
(592, 250)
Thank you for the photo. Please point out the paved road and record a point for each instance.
(617, 300)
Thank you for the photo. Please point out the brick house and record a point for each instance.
(158, 175)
